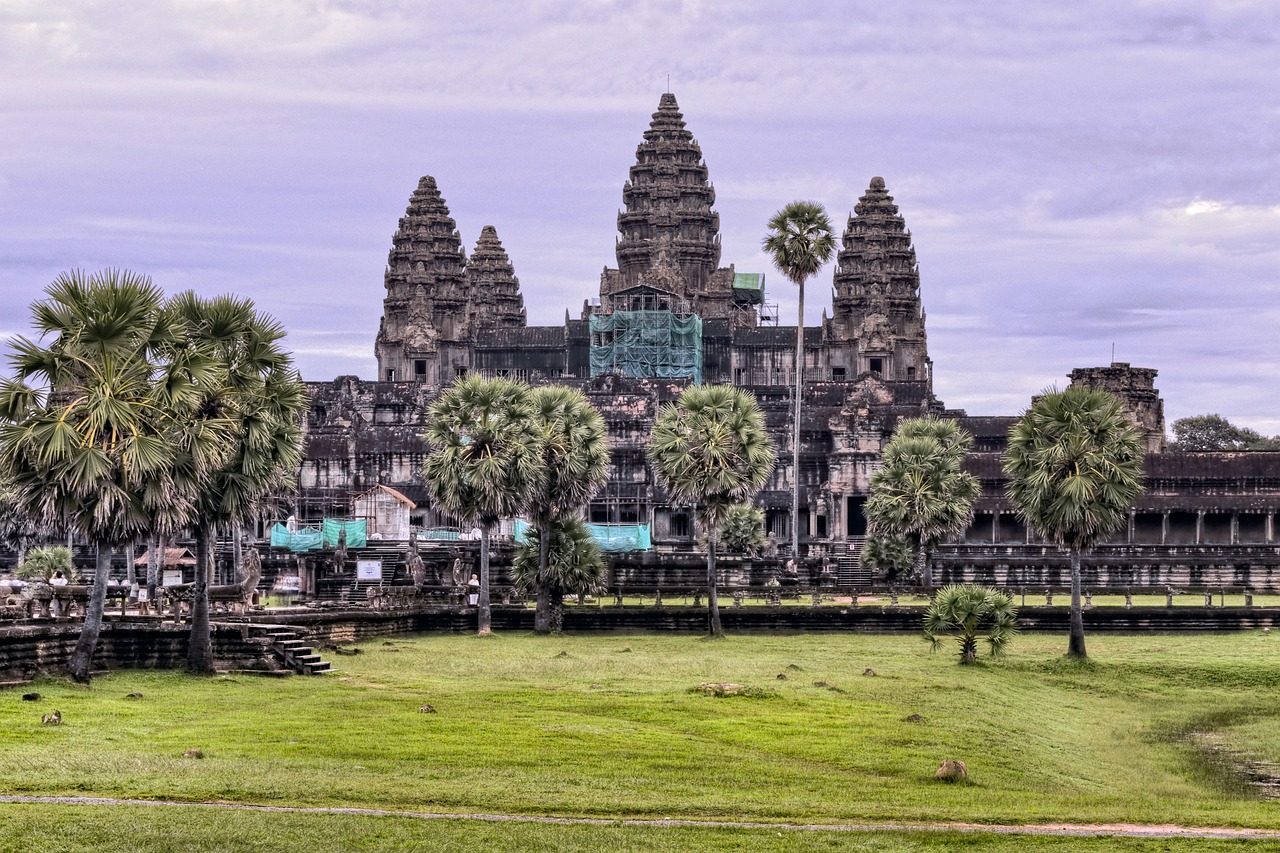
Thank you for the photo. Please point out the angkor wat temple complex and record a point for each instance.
(670, 314)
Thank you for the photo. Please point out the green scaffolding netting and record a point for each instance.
(647, 345)
(610, 537)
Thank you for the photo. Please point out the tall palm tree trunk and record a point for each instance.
(969, 646)
(795, 433)
(81, 662)
(485, 618)
(557, 612)
(713, 602)
(200, 644)
(542, 621)
(1075, 642)
(925, 555)
(155, 557)
(130, 573)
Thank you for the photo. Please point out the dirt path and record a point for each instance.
(1068, 829)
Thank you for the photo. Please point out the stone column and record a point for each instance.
(1164, 528)
(1199, 526)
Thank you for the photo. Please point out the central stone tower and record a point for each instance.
(668, 248)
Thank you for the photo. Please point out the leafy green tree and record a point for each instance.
(967, 613)
(800, 241)
(575, 459)
(1074, 464)
(710, 450)
(260, 395)
(42, 564)
(96, 429)
(890, 556)
(484, 459)
(574, 565)
(922, 492)
(1214, 432)
(742, 530)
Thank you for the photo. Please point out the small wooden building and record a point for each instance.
(178, 565)
(387, 512)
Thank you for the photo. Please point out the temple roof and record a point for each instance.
(524, 337)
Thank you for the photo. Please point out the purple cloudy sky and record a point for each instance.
(1075, 175)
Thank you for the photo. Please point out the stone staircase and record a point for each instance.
(292, 651)
(849, 569)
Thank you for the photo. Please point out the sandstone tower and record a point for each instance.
(876, 292)
(495, 291)
(668, 248)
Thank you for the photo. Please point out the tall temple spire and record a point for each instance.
(668, 245)
(495, 291)
(668, 216)
(426, 285)
(876, 299)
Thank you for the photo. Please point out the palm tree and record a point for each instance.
(565, 561)
(891, 556)
(484, 459)
(800, 240)
(575, 459)
(922, 492)
(710, 450)
(260, 394)
(742, 530)
(93, 444)
(1074, 464)
(43, 563)
(965, 611)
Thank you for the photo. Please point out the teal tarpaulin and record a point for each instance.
(356, 532)
(621, 537)
(303, 539)
(610, 537)
(311, 538)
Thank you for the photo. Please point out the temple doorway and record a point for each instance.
(855, 521)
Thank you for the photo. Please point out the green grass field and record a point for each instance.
(612, 727)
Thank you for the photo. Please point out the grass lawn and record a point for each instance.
(609, 726)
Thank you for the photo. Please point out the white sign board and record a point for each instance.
(172, 577)
(368, 570)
